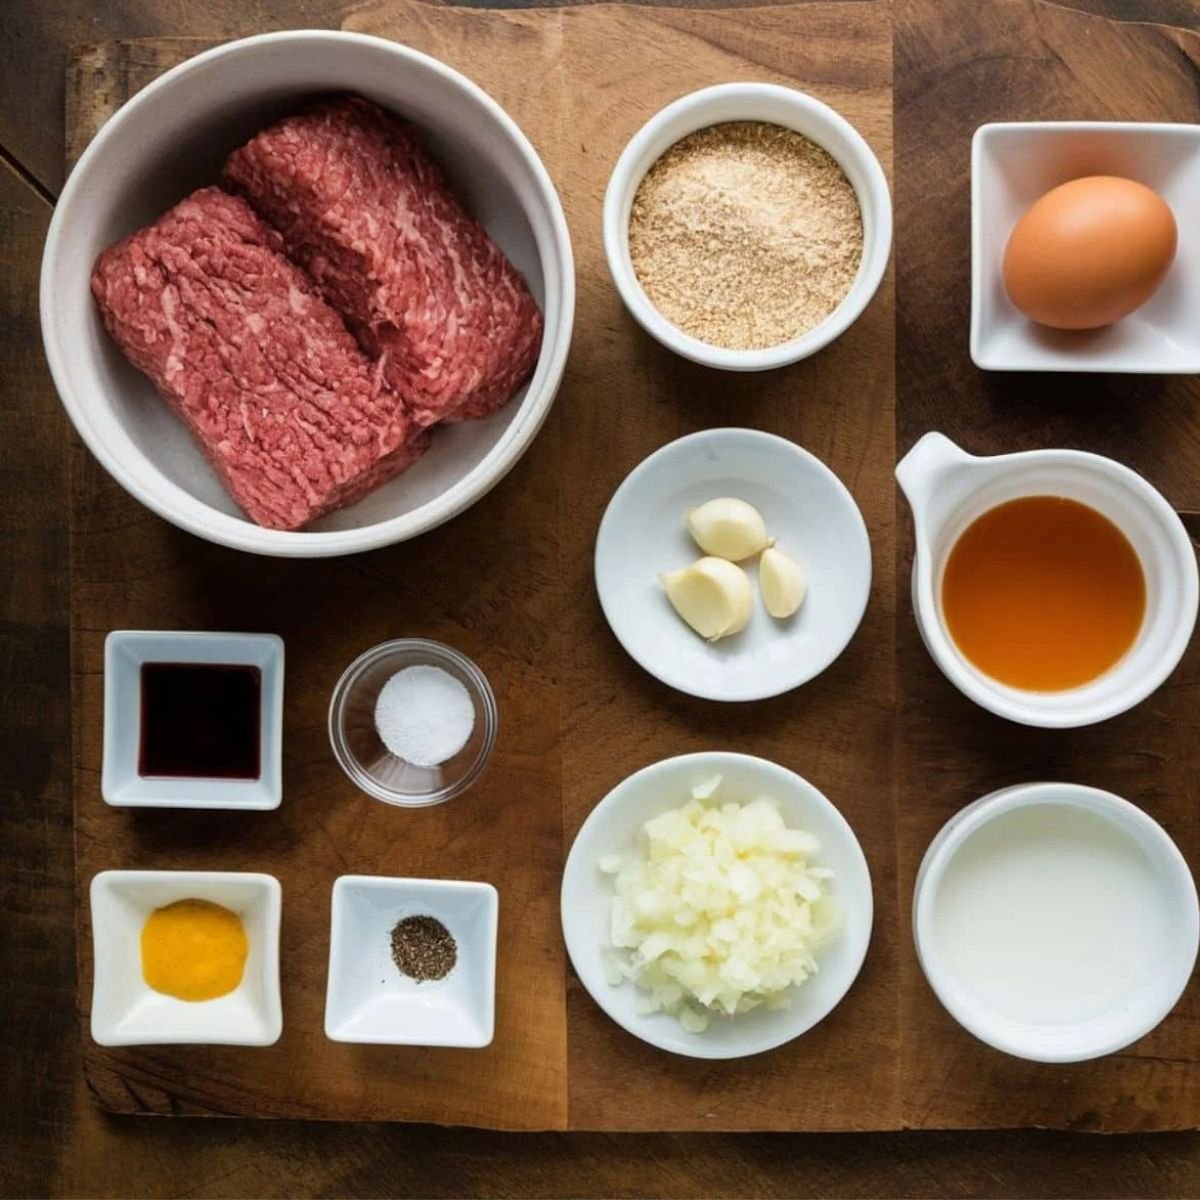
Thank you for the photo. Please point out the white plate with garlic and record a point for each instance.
(733, 565)
(716, 905)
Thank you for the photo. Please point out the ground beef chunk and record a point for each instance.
(286, 407)
(365, 210)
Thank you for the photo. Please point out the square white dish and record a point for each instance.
(369, 1000)
(126, 1011)
(124, 653)
(1012, 165)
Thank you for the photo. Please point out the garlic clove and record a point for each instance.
(712, 595)
(782, 582)
(741, 593)
(728, 528)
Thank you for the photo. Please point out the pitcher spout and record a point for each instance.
(924, 471)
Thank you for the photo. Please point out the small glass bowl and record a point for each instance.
(362, 754)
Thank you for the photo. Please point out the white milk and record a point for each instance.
(1050, 915)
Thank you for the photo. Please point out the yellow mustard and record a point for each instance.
(193, 950)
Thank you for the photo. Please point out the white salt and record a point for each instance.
(424, 715)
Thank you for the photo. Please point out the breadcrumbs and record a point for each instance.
(745, 235)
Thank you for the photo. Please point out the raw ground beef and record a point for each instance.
(365, 210)
(274, 388)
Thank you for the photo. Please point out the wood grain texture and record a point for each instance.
(625, 393)
(133, 570)
(835, 731)
(39, 1051)
(613, 717)
(38, 38)
(54, 1141)
(532, 543)
(130, 569)
(1017, 59)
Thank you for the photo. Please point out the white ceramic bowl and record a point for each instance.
(359, 749)
(805, 506)
(1012, 165)
(613, 827)
(749, 102)
(171, 138)
(1153, 987)
(126, 1011)
(948, 489)
(125, 650)
(369, 1000)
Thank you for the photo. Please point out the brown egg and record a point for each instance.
(1089, 252)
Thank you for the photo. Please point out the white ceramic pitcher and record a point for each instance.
(948, 488)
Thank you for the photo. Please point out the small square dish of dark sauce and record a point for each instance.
(200, 721)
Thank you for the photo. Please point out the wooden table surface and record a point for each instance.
(52, 1139)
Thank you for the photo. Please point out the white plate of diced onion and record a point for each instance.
(716, 905)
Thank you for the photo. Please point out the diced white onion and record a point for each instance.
(720, 912)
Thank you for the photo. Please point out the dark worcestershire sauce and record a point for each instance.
(200, 721)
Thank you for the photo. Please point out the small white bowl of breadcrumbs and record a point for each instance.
(747, 225)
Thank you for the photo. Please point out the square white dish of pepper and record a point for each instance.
(412, 962)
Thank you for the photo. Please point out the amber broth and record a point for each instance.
(1043, 593)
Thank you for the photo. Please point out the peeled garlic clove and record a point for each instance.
(728, 527)
(712, 595)
(782, 582)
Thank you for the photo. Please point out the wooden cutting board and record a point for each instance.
(577, 714)
(958, 66)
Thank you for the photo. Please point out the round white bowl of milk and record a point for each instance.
(1056, 922)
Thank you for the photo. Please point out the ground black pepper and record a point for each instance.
(423, 948)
